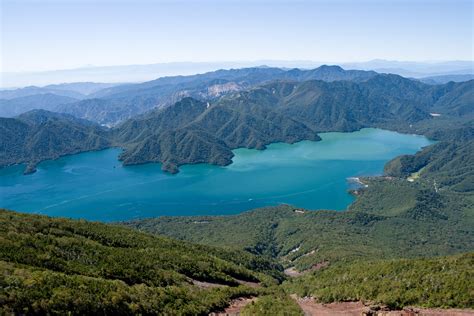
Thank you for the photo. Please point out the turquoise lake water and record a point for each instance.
(312, 175)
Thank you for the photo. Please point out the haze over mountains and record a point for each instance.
(140, 73)
(202, 118)
(112, 105)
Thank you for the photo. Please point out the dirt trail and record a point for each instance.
(310, 307)
(235, 307)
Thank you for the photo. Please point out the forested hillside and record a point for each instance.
(58, 266)
(435, 282)
(192, 131)
(41, 135)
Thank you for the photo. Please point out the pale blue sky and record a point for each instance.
(48, 34)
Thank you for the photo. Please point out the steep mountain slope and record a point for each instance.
(40, 135)
(450, 164)
(82, 267)
(192, 131)
(343, 106)
(115, 109)
(17, 106)
(458, 101)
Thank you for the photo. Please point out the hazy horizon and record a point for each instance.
(143, 72)
(260, 62)
(51, 34)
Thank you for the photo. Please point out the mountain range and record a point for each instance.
(263, 105)
(141, 73)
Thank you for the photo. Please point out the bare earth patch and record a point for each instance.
(292, 272)
(248, 283)
(311, 307)
(235, 307)
(206, 285)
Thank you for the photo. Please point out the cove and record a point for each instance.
(312, 175)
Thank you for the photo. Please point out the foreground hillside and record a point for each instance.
(58, 265)
(435, 282)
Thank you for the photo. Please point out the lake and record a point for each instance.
(312, 175)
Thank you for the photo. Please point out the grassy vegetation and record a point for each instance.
(436, 282)
(29, 290)
(58, 265)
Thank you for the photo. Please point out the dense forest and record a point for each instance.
(435, 282)
(58, 265)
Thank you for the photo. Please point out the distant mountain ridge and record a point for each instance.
(110, 104)
(146, 72)
(116, 104)
(44, 101)
(32, 90)
(442, 79)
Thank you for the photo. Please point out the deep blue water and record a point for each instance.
(308, 174)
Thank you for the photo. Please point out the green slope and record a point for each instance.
(436, 282)
(59, 265)
(190, 131)
(41, 135)
(448, 164)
